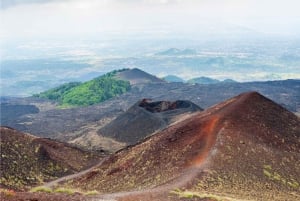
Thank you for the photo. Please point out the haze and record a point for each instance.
(259, 38)
(31, 18)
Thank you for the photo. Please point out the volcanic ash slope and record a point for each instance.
(246, 148)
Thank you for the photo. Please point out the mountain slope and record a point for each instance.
(137, 76)
(247, 147)
(71, 123)
(58, 93)
(27, 160)
(88, 93)
(146, 117)
(98, 89)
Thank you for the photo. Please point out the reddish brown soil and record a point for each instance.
(226, 147)
(208, 128)
(246, 148)
(43, 197)
(27, 160)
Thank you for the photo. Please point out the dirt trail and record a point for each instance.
(198, 166)
(73, 176)
(191, 172)
(179, 182)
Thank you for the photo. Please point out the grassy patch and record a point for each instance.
(191, 195)
(42, 189)
(68, 191)
(94, 192)
(186, 195)
(88, 93)
(275, 176)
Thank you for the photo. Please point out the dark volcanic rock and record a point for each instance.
(146, 117)
(11, 112)
(69, 123)
(162, 106)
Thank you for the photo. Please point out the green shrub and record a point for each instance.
(88, 93)
(58, 92)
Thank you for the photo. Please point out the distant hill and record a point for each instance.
(28, 161)
(245, 148)
(228, 81)
(88, 93)
(98, 89)
(203, 80)
(137, 76)
(177, 52)
(208, 80)
(172, 78)
(146, 117)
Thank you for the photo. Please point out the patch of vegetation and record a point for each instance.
(191, 195)
(68, 191)
(58, 92)
(41, 189)
(88, 93)
(94, 192)
(275, 176)
(7, 192)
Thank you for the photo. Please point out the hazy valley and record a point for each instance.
(47, 64)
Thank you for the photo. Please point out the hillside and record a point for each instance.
(28, 161)
(137, 76)
(98, 89)
(245, 148)
(10, 112)
(69, 124)
(58, 93)
(146, 117)
(88, 93)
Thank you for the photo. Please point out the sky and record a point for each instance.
(44, 18)
(95, 32)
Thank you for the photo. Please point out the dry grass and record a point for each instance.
(41, 189)
(203, 195)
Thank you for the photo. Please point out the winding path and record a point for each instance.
(187, 175)
(72, 176)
